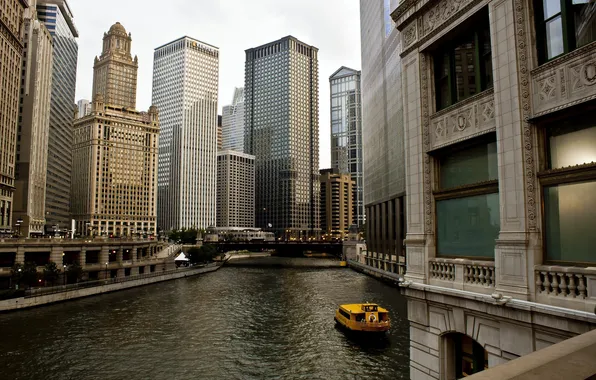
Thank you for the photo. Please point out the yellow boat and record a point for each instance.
(363, 317)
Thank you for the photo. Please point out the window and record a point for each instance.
(569, 189)
(467, 202)
(463, 62)
(564, 25)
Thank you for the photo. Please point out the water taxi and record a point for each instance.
(364, 317)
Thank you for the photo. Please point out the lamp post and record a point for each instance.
(64, 274)
(106, 276)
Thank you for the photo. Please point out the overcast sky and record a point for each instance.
(333, 26)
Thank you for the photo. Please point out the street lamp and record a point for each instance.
(64, 274)
(106, 276)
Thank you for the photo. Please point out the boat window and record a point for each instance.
(360, 317)
(344, 313)
(369, 308)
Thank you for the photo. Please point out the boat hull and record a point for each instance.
(367, 328)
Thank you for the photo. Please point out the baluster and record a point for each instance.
(539, 282)
(555, 284)
(563, 285)
(582, 286)
(492, 276)
(481, 276)
(476, 272)
(451, 272)
(443, 271)
(546, 282)
(571, 286)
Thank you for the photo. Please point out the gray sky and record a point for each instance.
(333, 26)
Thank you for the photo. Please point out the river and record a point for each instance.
(236, 323)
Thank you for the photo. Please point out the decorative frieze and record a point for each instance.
(441, 14)
(565, 81)
(470, 118)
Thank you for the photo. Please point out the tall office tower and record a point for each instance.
(235, 189)
(114, 187)
(11, 51)
(337, 202)
(382, 134)
(34, 127)
(58, 19)
(282, 131)
(84, 107)
(115, 71)
(185, 89)
(346, 131)
(233, 122)
(219, 133)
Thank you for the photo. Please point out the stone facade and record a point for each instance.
(12, 13)
(34, 128)
(235, 189)
(383, 136)
(531, 288)
(114, 191)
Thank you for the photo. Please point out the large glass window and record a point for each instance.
(469, 226)
(467, 202)
(463, 63)
(564, 25)
(569, 189)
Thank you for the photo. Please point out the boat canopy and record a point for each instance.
(363, 307)
(181, 257)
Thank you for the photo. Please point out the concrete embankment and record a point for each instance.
(38, 300)
(374, 272)
(283, 262)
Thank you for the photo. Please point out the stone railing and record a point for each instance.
(566, 282)
(475, 276)
(442, 270)
(480, 274)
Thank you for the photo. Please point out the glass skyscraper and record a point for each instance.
(282, 131)
(58, 19)
(346, 131)
(233, 123)
(185, 90)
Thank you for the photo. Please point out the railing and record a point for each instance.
(442, 270)
(462, 273)
(37, 292)
(480, 274)
(564, 282)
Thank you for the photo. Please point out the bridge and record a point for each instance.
(290, 248)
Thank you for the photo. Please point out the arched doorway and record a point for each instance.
(462, 356)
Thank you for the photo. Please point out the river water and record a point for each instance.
(236, 323)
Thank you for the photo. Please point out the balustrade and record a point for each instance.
(563, 282)
(480, 274)
(442, 270)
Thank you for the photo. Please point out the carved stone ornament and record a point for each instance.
(426, 143)
(409, 35)
(441, 13)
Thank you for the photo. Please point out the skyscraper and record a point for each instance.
(346, 131)
(337, 207)
(58, 19)
(233, 122)
(34, 127)
(114, 188)
(235, 189)
(185, 89)
(115, 71)
(84, 107)
(282, 131)
(11, 51)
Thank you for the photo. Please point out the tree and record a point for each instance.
(30, 275)
(204, 254)
(363, 231)
(74, 272)
(51, 273)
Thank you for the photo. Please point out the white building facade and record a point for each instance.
(84, 107)
(235, 189)
(233, 123)
(185, 90)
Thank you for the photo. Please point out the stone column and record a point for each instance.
(57, 256)
(119, 255)
(133, 255)
(83, 257)
(20, 257)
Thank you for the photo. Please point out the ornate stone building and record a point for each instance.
(11, 52)
(115, 71)
(498, 98)
(34, 127)
(115, 148)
